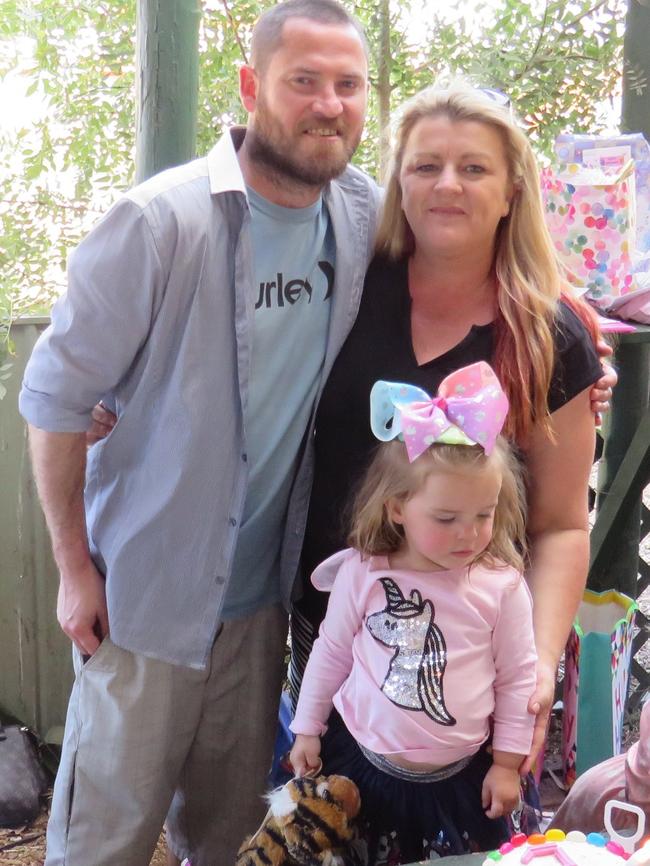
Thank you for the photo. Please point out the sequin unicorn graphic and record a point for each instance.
(414, 678)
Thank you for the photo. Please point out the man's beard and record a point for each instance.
(271, 148)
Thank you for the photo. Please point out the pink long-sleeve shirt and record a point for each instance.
(417, 662)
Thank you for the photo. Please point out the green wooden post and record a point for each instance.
(636, 68)
(625, 490)
(166, 83)
(617, 567)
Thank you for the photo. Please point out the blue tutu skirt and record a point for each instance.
(403, 821)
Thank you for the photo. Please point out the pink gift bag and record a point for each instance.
(615, 151)
(591, 217)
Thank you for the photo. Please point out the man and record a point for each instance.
(208, 306)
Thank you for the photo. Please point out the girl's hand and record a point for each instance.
(305, 754)
(500, 792)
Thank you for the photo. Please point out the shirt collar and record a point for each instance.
(224, 170)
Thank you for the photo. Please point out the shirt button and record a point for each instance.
(220, 580)
(232, 521)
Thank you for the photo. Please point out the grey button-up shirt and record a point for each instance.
(158, 315)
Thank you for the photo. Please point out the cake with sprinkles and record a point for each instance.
(555, 848)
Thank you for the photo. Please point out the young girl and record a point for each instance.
(428, 634)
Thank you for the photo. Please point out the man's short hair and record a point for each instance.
(267, 33)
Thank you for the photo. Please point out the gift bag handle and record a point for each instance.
(627, 843)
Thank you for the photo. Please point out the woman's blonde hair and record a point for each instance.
(391, 477)
(528, 276)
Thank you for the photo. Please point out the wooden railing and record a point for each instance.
(622, 522)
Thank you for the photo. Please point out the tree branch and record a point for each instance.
(587, 12)
(545, 61)
(540, 37)
(235, 31)
(79, 209)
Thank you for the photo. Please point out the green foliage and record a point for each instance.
(557, 60)
(56, 175)
(557, 64)
(224, 46)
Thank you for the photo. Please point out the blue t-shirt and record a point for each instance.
(294, 257)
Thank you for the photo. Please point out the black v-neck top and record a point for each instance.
(380, 347)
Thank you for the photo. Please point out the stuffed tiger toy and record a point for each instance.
(309, 823)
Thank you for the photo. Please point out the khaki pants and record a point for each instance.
(141, 733)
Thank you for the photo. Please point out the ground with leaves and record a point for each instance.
(25, 846)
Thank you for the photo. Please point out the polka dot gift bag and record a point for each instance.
(611, 153)
(591, 216)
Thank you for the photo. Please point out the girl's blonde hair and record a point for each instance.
(391, 476)
(528, 276)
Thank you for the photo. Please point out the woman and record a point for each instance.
(464, 271)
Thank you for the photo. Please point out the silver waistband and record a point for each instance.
(382, 763)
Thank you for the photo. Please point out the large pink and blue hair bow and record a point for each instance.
(469, 409)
